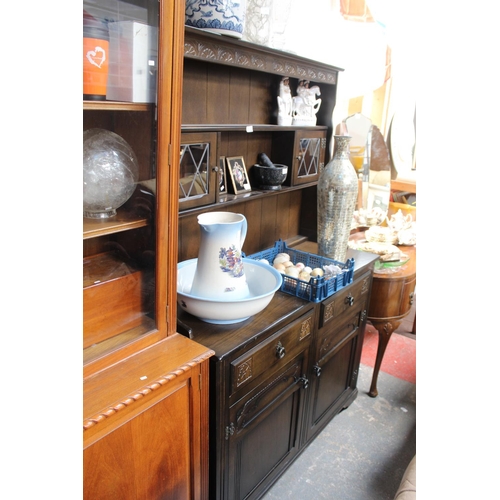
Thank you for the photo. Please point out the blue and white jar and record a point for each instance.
(225, 17)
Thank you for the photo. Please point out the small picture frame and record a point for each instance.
(221, 178)
(238, 173)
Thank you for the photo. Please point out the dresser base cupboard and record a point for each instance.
(277, 379)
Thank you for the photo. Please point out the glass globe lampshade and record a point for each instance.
(110, 173)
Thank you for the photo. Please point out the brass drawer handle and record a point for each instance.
(349, 300)
(317, 370)
(280, 351)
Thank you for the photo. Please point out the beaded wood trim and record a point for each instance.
(143, 392)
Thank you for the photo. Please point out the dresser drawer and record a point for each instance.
(331, 338)
(348, 299)
(272, 353)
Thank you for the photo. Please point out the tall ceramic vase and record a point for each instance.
(337, 196)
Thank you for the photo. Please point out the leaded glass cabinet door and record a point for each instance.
(309, 156)
(126, 283)
(197, 170)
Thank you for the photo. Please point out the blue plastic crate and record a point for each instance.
(317, 289)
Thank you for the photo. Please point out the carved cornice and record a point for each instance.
(143, 392)
(202, 45)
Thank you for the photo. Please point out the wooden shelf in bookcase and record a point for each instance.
(123, 221)
(116, 106)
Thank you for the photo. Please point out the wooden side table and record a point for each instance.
(391, 300)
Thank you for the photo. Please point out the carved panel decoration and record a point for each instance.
(329, 308)
(225, 50)
(366, 285)
(244, 371)
(305, 328)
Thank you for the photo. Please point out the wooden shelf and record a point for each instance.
(192, 127)
(122, 221)
(232, 199)
(116, 106)
(215, 48)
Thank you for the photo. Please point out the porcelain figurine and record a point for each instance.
(285, 103)
(306, 104)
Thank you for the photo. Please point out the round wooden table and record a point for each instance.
(390, 302)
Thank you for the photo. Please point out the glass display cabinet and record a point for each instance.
(143, 382)
(122, 296)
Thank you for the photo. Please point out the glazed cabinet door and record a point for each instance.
(198, 169)
(130, 125)
(303, 151)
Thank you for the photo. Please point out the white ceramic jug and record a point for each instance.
(219, 272)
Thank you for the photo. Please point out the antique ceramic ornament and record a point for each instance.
(220, 16)
(220, 273)
(306, 104)
(262, 280)
(285, 103)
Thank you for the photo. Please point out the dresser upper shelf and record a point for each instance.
(220, 49)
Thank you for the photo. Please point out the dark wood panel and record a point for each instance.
(189, 238)
(252, 210)
(226, 95)
(308, 225)
(239, 96)
(264, 90)
(257, 142)
(217, 96)
(194, 84)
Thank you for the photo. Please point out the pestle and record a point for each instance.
(265, 161)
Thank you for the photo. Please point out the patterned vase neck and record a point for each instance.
(342, 145)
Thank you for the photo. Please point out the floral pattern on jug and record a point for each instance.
(230, 261)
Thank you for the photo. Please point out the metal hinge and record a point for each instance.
(229, 430)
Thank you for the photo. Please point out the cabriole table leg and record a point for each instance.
(384, 329)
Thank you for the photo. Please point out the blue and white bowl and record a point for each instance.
(220, 16)
(263, 282)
